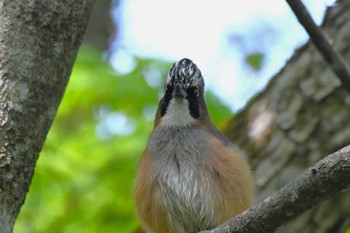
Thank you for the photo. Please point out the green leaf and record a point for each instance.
(255, 60)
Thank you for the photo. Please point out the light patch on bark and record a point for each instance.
(260, 123)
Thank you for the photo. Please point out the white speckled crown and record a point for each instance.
(184, 72)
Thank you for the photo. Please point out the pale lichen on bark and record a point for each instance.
(38, 44)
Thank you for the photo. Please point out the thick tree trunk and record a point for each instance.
(39, 40)
(301, 116)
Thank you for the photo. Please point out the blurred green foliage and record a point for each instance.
(84, 175)
(255, 60)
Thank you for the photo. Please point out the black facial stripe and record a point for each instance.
(193, 104)
(166, 99)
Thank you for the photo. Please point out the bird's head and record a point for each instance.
(183, 101)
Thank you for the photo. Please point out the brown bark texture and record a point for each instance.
(302, 115)
(101, 29)
(39, 40)
(331, 173)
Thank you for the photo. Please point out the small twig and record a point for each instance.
(333, 58)
(325, 179)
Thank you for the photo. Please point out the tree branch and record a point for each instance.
(325, 179)
(334, 60)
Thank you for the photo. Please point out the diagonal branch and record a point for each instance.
(325, 179)
(334, 60)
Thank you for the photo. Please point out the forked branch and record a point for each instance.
(322, 43)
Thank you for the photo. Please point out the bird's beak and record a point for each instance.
(179, 91)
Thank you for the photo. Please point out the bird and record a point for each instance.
(190, 177)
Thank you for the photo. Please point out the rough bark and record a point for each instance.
(334, 60)
(302, 115)
(325, 179)
(39, 40)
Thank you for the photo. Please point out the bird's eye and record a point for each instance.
(196, 92)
